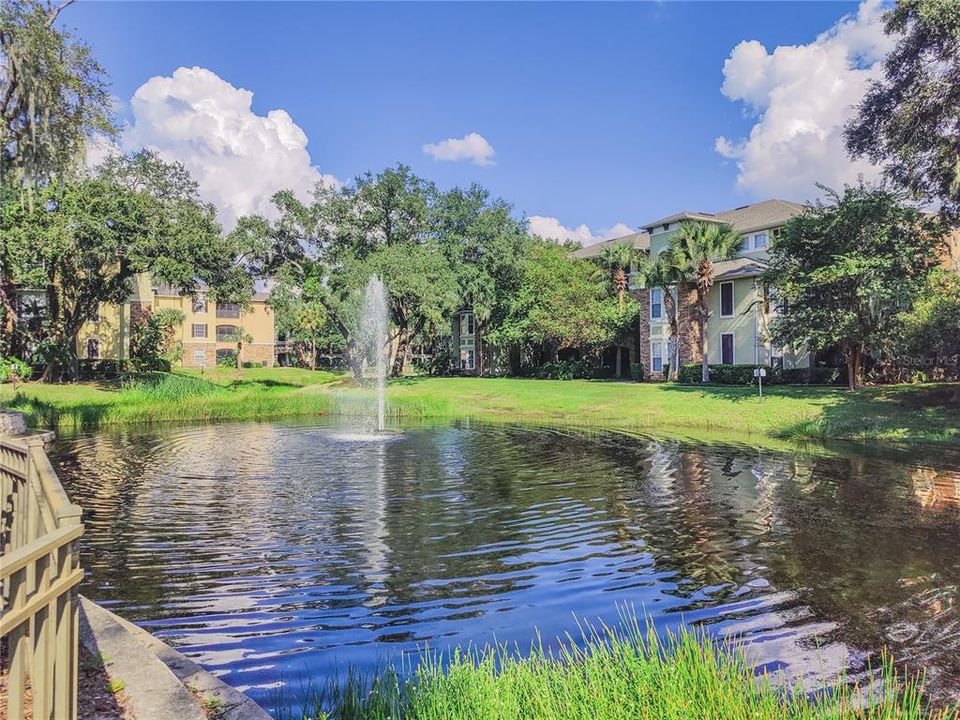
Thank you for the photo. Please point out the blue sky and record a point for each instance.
(598, 114)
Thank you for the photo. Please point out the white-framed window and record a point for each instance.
(93, 348)
(760, 241)
(656, 357)
(226, 333)
(199, 357)
(745, 243)
(656, 303)
(467, 359)
(467, 342)
(199, 305)
(727, 300)
(466, 324)
(727, 345)
(198, 330)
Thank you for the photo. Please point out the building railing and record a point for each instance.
(39, 571)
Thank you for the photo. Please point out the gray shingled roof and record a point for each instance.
(737, 268)
(640, 240)
(765, 214)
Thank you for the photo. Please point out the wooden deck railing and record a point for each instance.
(39, 570)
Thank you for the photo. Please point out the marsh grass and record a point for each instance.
(623, 673)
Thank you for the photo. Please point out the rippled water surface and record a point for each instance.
(271, 553)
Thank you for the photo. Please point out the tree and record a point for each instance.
(846, 269)
(53, 100)
(929, 339)
(665, 273)
(83, 242)
(616, 260)
(696, 248)
(560, 305)
(241, 337)
(909, 121)
(152, 343)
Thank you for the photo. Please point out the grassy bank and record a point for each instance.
(616, 675)
(216, 394)
(902, 414)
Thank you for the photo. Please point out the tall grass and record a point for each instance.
(611, 674)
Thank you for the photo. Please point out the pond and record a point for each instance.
(276, 552)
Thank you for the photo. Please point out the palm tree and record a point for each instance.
(240, 337)
(665, 273)
(697, 247)
(616, 259)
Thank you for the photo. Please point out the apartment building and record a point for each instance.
(206, 333)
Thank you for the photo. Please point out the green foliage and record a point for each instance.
(55, 96)
(560, 305)
(637, 372)
(152, 344)
(227, 360)
(929, 341)
(695, 249)
(743, 375)
(14, 370)
(909, 121)
(847, 269)
(582, 369)
(618, 673)
(85, 241)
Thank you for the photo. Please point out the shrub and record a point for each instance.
(724, 374)
(636, 372)
(815, 376)
(14, 370)
(227, 360)
(583, 369)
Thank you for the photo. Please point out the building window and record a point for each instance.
(745, 243)
(466, 324)
(199, 358)
(228, 310)
(759, 241)
(656, 357)
(726, 349)
(226, 333)
(726, 299)
(93, 348)
(223, 353)
(656, 303)
(200, 305)
(467, 359)
(199, 330)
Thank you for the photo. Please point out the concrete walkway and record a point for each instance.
(156, 677)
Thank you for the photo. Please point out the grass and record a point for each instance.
(611, 674)
(909, 415)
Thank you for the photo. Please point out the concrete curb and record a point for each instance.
(145, 658)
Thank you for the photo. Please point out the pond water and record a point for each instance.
(273, 553)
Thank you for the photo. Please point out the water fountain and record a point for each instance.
(373, 340)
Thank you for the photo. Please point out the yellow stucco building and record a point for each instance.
(206, 333)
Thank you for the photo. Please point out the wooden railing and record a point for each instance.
(39, 569)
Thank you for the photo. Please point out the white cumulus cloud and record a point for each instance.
(472, 146)
(801, 97)
(553, 229)
(240, 159)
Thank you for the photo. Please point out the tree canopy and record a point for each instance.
(909, 121)
(845, 270)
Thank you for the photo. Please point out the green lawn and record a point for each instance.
(901, 414)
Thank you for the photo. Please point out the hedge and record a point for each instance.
(743, 375)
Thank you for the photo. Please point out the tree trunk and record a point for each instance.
(400, 360)
(704, 343)
(313, 353)
(854, 360)
(619, 363)
(239, 361)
